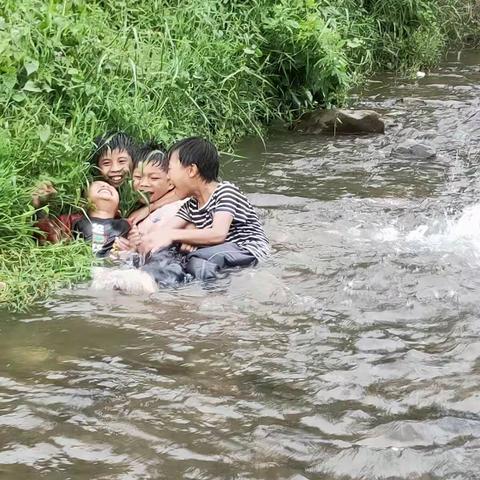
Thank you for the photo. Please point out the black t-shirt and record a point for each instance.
(100, 232)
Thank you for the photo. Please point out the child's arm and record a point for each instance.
(54, 230)
(142, 213)
(154, 239)
(42, 194)
(200, 237)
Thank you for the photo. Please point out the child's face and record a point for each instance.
(114, 166)
(181, 177)
(151, 180)
(103, 194)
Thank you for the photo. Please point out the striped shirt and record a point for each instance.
(245, 230)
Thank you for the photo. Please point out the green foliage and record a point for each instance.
(409, 35)
(306, 60)
(72, 69)
(29, 273)
(15, 213)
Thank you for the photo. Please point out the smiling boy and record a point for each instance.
(150, 179)
(113, 157)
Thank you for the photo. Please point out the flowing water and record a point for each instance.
(354, 353)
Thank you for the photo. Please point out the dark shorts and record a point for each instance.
(206, 263)
(165, 266)
(170, 268)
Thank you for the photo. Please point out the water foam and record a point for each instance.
(127, 280)
(458, 235)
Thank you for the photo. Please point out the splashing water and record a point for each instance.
(127, 280)
(459, 235)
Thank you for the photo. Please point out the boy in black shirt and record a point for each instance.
(100, 227)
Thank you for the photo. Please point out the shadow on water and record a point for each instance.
(352, 354)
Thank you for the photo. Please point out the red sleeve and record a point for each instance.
(55, 229)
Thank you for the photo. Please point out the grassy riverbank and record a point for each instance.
(72, 69)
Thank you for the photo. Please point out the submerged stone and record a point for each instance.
(414, 149)
(339, 121)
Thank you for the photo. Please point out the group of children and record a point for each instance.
(191, 225)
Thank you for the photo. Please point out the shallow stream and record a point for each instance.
(354, 353)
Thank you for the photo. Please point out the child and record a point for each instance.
(112, 157)
(100, 227)
(228, 231)
(150, 178)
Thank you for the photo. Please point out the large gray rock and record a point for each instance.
(411, 148)
(339, 121)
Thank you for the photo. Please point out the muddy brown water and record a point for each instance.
(353, 353)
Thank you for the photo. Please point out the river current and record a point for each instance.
(353, 353)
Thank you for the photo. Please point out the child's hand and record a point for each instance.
(187, 248)
(122, 244)
(134, 237)
(156, 241)
(42, 194)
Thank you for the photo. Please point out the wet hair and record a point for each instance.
(200, 152)
(151, 152)
(109, 142)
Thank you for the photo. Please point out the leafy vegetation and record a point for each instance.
(71, 69)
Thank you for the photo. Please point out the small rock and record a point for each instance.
(339, 121)
(420, 74)
(414, 149)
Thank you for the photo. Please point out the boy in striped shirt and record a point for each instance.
(227, 230)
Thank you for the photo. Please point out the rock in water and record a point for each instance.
(338, 121)
(411, 148)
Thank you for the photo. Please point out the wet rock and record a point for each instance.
(338, 121)
(411, 101)
(414, 149)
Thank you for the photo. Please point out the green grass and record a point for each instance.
(72, 69)
(31, 274)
